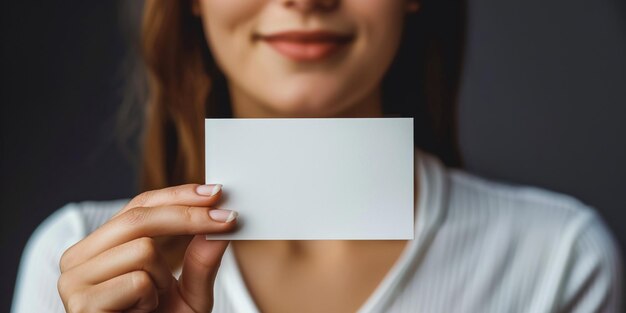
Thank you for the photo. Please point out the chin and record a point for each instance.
(302, 110)
(304, 106)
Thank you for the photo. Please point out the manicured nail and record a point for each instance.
(208, 190)
(223, 216)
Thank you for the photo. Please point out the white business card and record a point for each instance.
(314, 178)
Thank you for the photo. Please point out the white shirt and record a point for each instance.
(480, 246)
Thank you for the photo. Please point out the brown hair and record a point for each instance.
(185, 86)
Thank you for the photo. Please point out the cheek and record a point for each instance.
(380, 24)
(227, 23)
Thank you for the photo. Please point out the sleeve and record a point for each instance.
(593, 278)
(38, 273)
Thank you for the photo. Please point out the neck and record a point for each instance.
(317, 251)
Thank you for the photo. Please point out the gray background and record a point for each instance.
(543, 103)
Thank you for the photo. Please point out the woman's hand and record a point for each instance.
(118, 267)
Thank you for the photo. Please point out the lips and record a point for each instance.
(305, 46)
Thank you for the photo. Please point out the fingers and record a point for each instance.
(139, 254)
(119, 268)
(189, 194)
(144, 222)
(132, 290)
(202, 260)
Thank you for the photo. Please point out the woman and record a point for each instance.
(480, 246)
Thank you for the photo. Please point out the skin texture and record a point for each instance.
(264, 83)
(123, 267)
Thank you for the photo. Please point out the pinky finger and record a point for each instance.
(133, 292)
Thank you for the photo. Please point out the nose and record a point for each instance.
(311, 5)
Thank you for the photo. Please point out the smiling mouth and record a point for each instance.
(306, 46)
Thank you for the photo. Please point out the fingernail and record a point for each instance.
(223, 216)
(208, 190)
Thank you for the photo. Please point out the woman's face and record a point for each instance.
(305, 73)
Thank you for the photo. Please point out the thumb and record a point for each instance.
(202, 260)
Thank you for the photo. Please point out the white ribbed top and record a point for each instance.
(480, 246)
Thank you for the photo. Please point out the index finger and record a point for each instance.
(145, 222)
(188, 194)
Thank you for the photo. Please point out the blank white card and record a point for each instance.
(314, 178)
